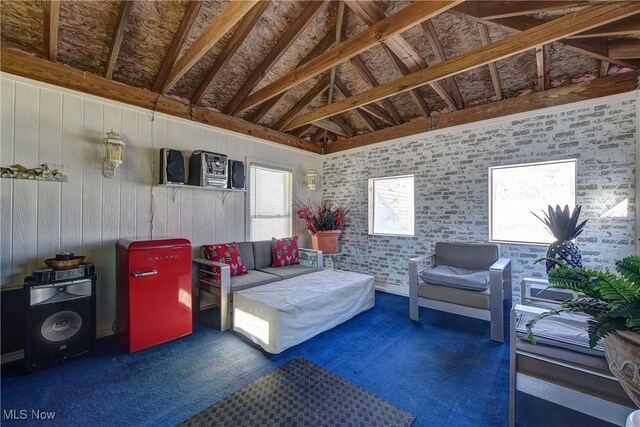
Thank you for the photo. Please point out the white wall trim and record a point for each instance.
(497, 120)
(147, 111)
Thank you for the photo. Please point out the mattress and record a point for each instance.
(282, 314)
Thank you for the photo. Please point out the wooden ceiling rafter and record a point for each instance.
(118, 35)
(370, 80)
(396, 48)
(548, 32)
(612, 85)
(31, 67)
(50, 31)
(322, 46)
(438, 51)
(624, 49)
(220, 26)
(330, 125)
(404, 19)
(493, 68)
(177, 42)
(542, 65)
(505, 9)
(624, 27)
(310, 12)
(244, 28)
(366, 118)
(339, 30)
(318, 89)
(593, 47)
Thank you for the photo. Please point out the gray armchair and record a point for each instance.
(561, 367)
(461, 278)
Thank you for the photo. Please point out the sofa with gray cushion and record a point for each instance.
(462, 278)
(215, 278)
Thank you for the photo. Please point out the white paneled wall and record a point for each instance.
(87, 214)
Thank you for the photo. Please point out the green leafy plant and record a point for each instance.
(612, 301)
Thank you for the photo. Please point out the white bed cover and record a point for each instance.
(282, 314)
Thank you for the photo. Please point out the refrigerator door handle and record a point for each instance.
(145, 273)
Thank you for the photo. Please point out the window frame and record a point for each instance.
(519, 165)
(251, 162)
(371, 205)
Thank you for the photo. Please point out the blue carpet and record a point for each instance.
(445, 370)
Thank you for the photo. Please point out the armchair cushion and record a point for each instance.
(456, 277)
(471, 256)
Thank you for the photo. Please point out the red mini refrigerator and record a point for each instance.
(154, 289)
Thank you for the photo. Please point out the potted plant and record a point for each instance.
(563, 225)
(323, 222)
(613, 302)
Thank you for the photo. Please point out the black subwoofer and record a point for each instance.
(172, 166)
(236, 174)
(60, 321)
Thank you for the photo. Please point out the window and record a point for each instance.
(391, 206)
(270, 202)
(517, 191)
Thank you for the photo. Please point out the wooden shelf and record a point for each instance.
(197, 187)
(224, 191)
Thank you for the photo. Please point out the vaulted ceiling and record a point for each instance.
(330, 73)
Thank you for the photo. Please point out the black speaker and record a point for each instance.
(236, 174)
(172, 170)
(60, 321)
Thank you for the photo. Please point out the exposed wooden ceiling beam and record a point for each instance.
(244, 28)
(395, 24)
(438, 51)
(331, 126)
(302, 130)
(50, 36)
(397, 48)
(542, 64)
(546, 33)
(359, 111)
(31, 67)
(118, 36)
(371, 81)
(339, 31)
(594, 47)
(344, 125)
(323, 45)
(624, 49)
(220, 25)
(493, 68)
(177, 42)
(624, 27)
(311, 10)
(505, 9)
(320, 87)
(597, 88)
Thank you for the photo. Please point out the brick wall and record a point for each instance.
(451, 198)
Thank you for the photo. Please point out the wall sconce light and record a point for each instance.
(311, 180)
(113, 147)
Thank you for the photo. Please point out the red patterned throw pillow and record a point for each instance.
(226, 253)
(284, 251)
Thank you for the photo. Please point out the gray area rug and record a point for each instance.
(301, 393)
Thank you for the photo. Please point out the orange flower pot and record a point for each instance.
(326, 241)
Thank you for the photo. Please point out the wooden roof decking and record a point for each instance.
(175, 46)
